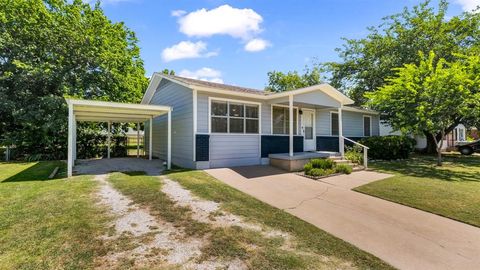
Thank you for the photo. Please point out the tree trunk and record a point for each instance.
(439, 147)
(431, 147)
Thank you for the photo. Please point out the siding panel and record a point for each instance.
(180, 99)
(234, 150)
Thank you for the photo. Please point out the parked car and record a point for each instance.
(469, 148)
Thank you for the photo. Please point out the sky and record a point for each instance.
(238, 42)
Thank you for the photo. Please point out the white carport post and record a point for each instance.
(108, 138)
(169, 140)
(290, 122)
(150, 127)
(341, 141)
(138, 140)
(71, 120)
(74, 141)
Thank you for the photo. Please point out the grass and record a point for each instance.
(309, 238)
(50, 224)
(452, 190)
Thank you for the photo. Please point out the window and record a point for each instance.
(234, 117)
(280, 120)
(334, 123)
(367, 126)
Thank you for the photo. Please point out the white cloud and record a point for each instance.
(223, 20)
(178, 13)
(204, 74)
(186, 49)
(256, 45)
(468, 5)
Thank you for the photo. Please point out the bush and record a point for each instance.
(389, 147)
(343, 168)
(321, 172)
(354, 154)
(323, 163)
(308, 167)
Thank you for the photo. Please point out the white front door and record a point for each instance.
(308, 128)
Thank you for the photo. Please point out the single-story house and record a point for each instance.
(219, 125)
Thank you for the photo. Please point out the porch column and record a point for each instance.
(138, 140)
(169, 141)
(108, 138)
(341, 141)
(290, 123)
(150, 127)
(74, 141)
(71, 119)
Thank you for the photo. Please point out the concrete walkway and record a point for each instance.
(402, 236)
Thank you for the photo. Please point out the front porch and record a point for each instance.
(296, 161)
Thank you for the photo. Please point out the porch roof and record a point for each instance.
(102, 111)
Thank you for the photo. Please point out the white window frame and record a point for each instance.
(228, 100)
(330, 123)
(363, 125)
(271, 119)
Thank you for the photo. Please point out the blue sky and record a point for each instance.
(238, 42)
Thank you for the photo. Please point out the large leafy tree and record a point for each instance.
(431, 97)
(279, 81)
(55, 48)
(367, 62)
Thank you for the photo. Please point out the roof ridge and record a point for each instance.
(217, 85)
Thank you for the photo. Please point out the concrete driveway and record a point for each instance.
(104, 166)
(405, 237)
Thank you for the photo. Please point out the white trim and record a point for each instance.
(150, 139)
(271, 118)
(351, 109)
(341, 142)
(325, 88)
(169, 140)
(363, 125)
(314, 132)
(71, 119)
(290, 125)
(330, 123)
(228, 122)
(194, 97)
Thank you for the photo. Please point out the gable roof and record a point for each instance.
(237, 90)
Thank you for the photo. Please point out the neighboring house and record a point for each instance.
(457, 136)
(218, 125)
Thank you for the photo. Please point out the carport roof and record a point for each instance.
(105, 111)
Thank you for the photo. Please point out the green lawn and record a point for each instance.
(47, 224)
(452, 190)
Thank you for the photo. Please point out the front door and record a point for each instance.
(308, 118)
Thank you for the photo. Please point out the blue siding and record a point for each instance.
(227, 150)
(352, 123)
(180, 99)
(275, 144)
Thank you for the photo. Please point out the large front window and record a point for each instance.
(234, 117)
(281, 122)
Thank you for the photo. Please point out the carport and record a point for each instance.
(112, 112)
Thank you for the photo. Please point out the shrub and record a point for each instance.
(389, 147)
(322, 163)
(354, 154)
(343, 168)
(308, 167)
(321, 172)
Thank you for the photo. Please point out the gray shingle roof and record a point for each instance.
(218, 85)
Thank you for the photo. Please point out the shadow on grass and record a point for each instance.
(38, 172)
(455, 168)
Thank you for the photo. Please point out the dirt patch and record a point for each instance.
(210, 212)
(140, 239)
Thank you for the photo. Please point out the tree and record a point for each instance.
(431, 97)
(279, 81)
(55, 48)
(168, 71)
(367, 62)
